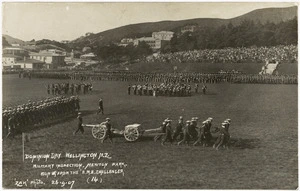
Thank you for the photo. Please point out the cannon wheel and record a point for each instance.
(99, 132)
(131, 134)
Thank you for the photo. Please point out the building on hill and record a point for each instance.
(52, 59)
(163, 35)
(65, 41)
(89, 56)
(154, 44)
(157, 41)
(188, 28)
(125, 42)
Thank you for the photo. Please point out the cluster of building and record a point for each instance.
(19, 58)
(156, 41)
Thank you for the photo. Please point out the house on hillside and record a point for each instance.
(157, 41)
(89, 56)
(65, 41)
(188, 28)
(154, 44)
(163, 35)
(52, 59)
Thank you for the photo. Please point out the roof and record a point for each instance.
(13, 48)
(30, 61)
(44, 54)
(146, 39)
(11, 56)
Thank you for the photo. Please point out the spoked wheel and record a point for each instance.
(131, 134)
(99, 132)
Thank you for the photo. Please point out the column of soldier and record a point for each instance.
(187, 132)
(67, 88)
(18, 119)
(164, 89)
(181, 77)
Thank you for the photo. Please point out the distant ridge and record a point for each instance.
(273, 15)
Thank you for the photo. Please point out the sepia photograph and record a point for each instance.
(150, 95)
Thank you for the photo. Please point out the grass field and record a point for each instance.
(262, 155)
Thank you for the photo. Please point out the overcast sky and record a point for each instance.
(68, 21)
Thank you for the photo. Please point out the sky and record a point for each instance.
(68, 21)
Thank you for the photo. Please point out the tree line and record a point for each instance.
(247, 34)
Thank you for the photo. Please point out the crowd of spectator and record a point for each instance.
(231, 55)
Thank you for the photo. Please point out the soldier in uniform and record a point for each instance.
(222, 138)
(79, 127)
(186, 133)
(129, 89)
(168, 134)
(108, 132)
(204, 89)
(100, 109)
(179, 129)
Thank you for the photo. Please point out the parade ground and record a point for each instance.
(263, 152)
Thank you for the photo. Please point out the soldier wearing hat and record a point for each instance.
(108, 132)
(79, 127)
(186, 133)
(223, 137)
(178, 130)
(101, 109)
(204, 87)
(168, 133)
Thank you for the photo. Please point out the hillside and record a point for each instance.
(12, 40)
(274, 15)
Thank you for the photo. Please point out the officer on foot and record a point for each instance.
(100, 109)
(108, 132)
(80, 127)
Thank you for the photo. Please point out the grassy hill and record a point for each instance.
(274, 15)
(12, 40)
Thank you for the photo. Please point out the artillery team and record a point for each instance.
(20, 118)
(190, 132)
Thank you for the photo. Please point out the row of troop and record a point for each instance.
(190, 132)
(21, 117)
(178, 77)
(281, 53)
(67, 88)
(163, 89)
